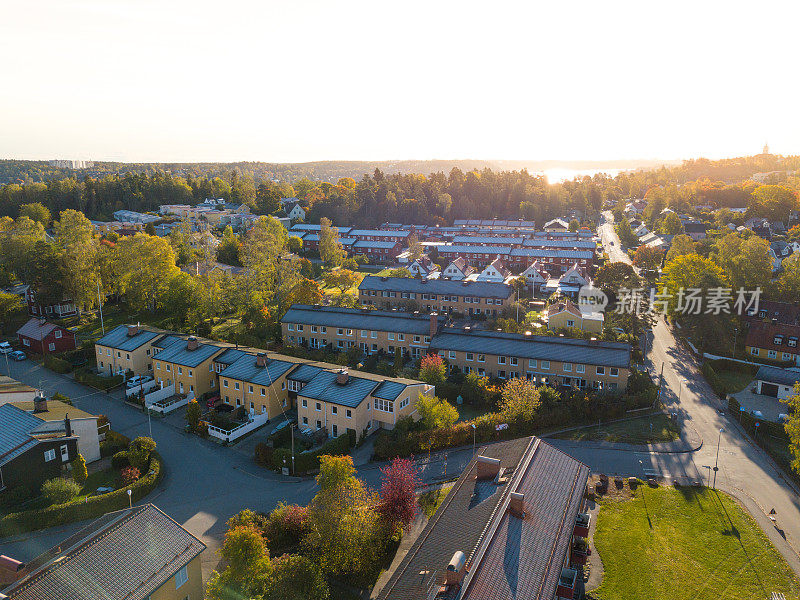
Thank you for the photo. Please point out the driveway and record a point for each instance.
(769, 406)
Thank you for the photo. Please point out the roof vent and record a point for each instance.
(517, 504)
(133, 330)
(191, 343)
(261, 359)
(456, 568)
(342, 377)
(488, 468)
(39, 403)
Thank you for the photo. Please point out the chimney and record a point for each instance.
(517, 504)
(456, 569)
(488, 468)
(39, 403)
(342, 377)
(434, 326)
(133, 330)
(261, 359)
(10, 570)
(67, 426)
(191, 343)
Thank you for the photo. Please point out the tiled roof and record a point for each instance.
(389, 390)
(325, 387)
(354, 318)
(484, 289)
(762, 335)
(474, 249)
(230, 356)
(609, 354)
(36, 330)
(371, 244)
(125, 555)
(552, 253)
(178, 353)
(784, 312)
(777, 375)
(118, 338)
(246, 369)
(468, 240)
(377, 233)
(15, 432)
(540, 243)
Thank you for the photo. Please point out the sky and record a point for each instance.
(304, 80)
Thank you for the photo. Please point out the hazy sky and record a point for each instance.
(297, 80)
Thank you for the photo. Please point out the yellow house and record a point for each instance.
(256, 382)
(188, 364)
(99, 561)
(566, 314)
(127, 348)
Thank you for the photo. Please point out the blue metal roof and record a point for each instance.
(370, 244)
(483, 289)
(477, 239)
(15, 432)
(540, 243)
(246, 369)
(377, 233)
(389, 390)
(468, 249)
(305, 373)
(119, 339)
(609, 354)
(552, 253)
(178, 354)
(230, 356)
(355, 318)
(325, 388)
(167, 340)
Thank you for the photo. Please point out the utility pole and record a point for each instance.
(716, 460)
(291, 428)
(100, 302)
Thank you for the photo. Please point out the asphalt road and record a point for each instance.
(607, 236)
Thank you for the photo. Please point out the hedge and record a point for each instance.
(59, 365)
(713, 379)
(726, 364)
(748, 421)
(31, 520)
(306, 462)
(97, 381)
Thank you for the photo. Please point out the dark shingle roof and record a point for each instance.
(124, 555)
(305, 373)
(178, 353)
(777, 375)
(389, 390)
(246, 369)
(15, 432)
(354, 318)
(324, 387)
(119, 339)
(609, 354)
(484, 289)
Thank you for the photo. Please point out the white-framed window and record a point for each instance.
(109, 351)
(373, 334)
(470, 356)
(290, 327)
(348, 413)
(567, 367)
(545, 364)
(299, 327)
(754, 351)
(334, 410)
(58, 333)
(513, 360)
(181, 577)
(318, 406)
(501, 360)
(532, 363)
(384, 405)
(169, 367)
(580, 368)
(363, 333)
(264, 390)
(601, 370)
(51, 346)
(323, 329)
(305, 420)
(314, 329)
(481, 358)
(224, 383)
(391, 335)
(49, 455)
(613, 371)
(340, 331)
(250, 388)
(236, 385)
(452, 354)
(401, 337)
(770, 354)
(305, 403)
(64, 453)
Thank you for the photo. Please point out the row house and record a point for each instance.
(556, 260)
(556, 361)
(535, 275)
(53, 310)
(377, 251)
(188, 365)
(514, 526)
(127, 348)
(774, 341)
(458, 269)
(440, 295)
(372, 331)
(477, 256)
(378, 235)
(495, 271)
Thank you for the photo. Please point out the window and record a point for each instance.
(314, 329)
(481, 358)
(787, 356)
(168, 367)
(532, 363)
(513, 360)
(340, 331)
(147, 352)
(109, 351)
(305, 420)
(180, 370)
(792, 342)
(64, 453)
(580, 368)
(373, 334)
(49, 455)
(545, 364)
(470, 356)
(334, 410)
(58, 334)
(348, 414)
(452, 354)
(613, 371)
(318, 406)
(181, 577)
(305, 403)
(391, 336)
(570, 323)
(363, 333)
(567, 367)
(350, 332)
(299, 327)
(323, 329)
(236, 385)
(264, 391)
(772, 354)
(403, 403)
(51, 346)
(252, 405)
(501, 360)
(612, 386)
(190, 373)
(224, 383)
(384, 405)
(601, 370)
(777, 340)
(250, 389)
(754, 351)
(158, 366)
(401, 337)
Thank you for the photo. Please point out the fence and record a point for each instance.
(137, 389)
(169, 404)
(160, 394)
(255, 422)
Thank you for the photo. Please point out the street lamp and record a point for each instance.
(735, 336)
(130, 498)
(716, 460)
(473, 438)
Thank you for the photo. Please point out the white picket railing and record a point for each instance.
(255, 422)
(168, 405)
(159, 394)
(137, 389)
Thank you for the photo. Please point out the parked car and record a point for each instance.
(5, 348)
(137, 380)
(757, 414)
(17, 355)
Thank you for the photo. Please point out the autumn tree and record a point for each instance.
(79, 472)
(435, 412)
(228, 249)
(398, 503)
(342, 279)
(519, 400)
(432, 369)
(144, 266)
(681, 244)
(295, 577)
(330, 249)
(414, 246)
(745, 261)
(647, 257)
(295, 244)
(74, 236)
(671, 224)
(773, 202)
(249, 567)
(626, 236)
(36, 211)
(792, 426)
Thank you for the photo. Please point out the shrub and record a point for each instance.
(285, 527)
(59, 365)
(113, 443)
(79, 472)
(713, 379)
(129, 475)
(193, 415)
(120, 460)
(263, 454)
(306, 462)
(97, 381)
(59, 491)
(139, 452)
(14, 496)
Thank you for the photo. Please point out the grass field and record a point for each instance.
(735, 381)
(635, 431)
(693, 544)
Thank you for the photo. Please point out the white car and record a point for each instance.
(137, 380)
(5, 348)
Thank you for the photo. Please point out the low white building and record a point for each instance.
(458, 269)
(777, 382)
(495, 271)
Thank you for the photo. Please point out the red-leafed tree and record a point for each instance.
(398, 503)
(432, 369)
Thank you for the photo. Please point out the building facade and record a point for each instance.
(37, 335)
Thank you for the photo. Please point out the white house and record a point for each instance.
(458, 269)
(570, 283)
(295, 212)
(423, 267)
(776, 382)
(495, 271)
(556, 225)
(535, 275)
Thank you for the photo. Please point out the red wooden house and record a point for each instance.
(37, 335)
(56, 310)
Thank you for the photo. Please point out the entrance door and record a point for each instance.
(769, 389)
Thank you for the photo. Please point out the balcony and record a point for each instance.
(579, 552)
(582, 523)
(566, 584)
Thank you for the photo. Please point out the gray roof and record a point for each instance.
(124, 555)
(540, 243)
(377, 233)
(472, 249)
(552, 253)
(608, 354)
(230, 356)
(324, 387)
(38, 330)
(371, 244)
(178, 354)
(354, 318)
(245, 369)
(483, 289)
(469, 239)
(118, 338)
(15, 432)
(305, 372)
(777, 375)
(389, 390)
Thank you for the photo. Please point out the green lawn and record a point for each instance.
(691, 543)
(429, 502)
(635, 431)
(107, 478)
(735, 381)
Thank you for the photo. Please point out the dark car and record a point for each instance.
(17, 355)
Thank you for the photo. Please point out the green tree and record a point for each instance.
(249, 567)
(414, 246)
(773, 202)
(614, 276)
(228, 249)
(139, 452)
(681, 244)
(520, 400)
(435, 412)
(574, 225)
(792, 426)
(79, 472)
(295, 577)
(626, 236)
(787, 287)
(295, 244)
(647, 257)
(17, 241)
(342, 279)
(744, 261)
(330, 249)
(74, 236)
(193, 414)
(144, 266)
(9, 303)
(36, 211)
(60, 491)
(671, 225)
(150, 229)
